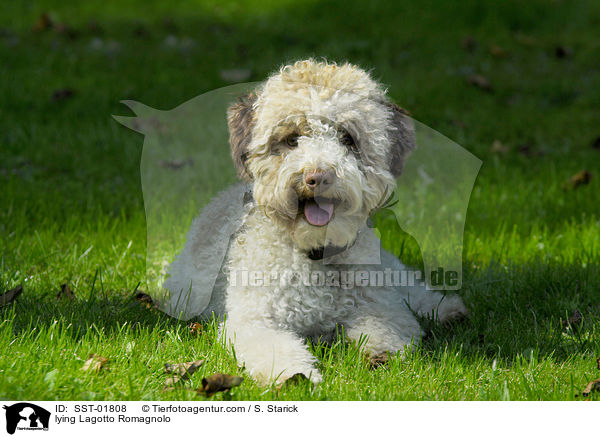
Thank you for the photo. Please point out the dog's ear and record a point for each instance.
(403, 139)
(240, 120)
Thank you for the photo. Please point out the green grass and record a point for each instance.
(71, 207)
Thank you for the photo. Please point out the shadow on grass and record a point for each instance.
(522, 310)
(106, 314)
(513, 313)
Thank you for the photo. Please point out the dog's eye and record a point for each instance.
(292, 140)
(347, 140)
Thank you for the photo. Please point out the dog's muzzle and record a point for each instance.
(317, 209)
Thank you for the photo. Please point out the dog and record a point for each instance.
(319, 148)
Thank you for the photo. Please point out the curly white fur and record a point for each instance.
(315, 102)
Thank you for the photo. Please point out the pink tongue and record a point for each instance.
(318, 215)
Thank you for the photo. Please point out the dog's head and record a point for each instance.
(323, 148)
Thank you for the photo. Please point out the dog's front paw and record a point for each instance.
(452, 308)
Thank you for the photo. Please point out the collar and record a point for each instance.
(325, 252)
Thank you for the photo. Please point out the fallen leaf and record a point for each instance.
(480, 82)
(62, 94)
(235, 75)
(498, 52)
(169, 25)
(65, 292)
(526, 39)
(562, 52)
(498, 147)
(459, 123)
(596, 143)
(176, 164)
(183, 369)
(140, 31)
(468, 43)
(63, 29)
(95, 28)
(195, 328)
(181, 372)
(480, 339)
(145, 300)
(574, 320)
(218, 382)
(10, 295)
(379, 360)
(580, 178)
(95, 363)
(591, 387)
(43, 23)
(528, 151)
(525, 150)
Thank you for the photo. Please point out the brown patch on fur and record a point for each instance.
(240, 120)
(403, 138)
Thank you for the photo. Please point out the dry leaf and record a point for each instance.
(65, 292)
(480, 82)
(63, 29)
(62, 94)
(526, 150)
(195, 328)
(574, 320)
(468, 43)
(140, 31)
(591, 387)
(562, 52)
(95, 363)
(498, 147)
(145, 300)
(581, 178)
(10, 295)
(218, 382)
(176, 164)
(185, 370)
(43, 23)
(379, 360)
(169, 25)
(95, 28)
(181, 372)
(459, 123)
(526, 39)
(498, 52)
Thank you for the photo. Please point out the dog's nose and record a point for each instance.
(319, 178)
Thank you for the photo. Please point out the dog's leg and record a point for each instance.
(441, 307)
(387, 329)
(270, 355)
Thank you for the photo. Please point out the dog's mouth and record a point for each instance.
(318, 211)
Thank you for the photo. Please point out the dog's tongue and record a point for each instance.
(318, 215)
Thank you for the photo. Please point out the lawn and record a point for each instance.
(72, 211)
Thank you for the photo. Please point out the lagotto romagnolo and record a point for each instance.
(319, 147)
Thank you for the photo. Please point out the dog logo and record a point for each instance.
(26, 416)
